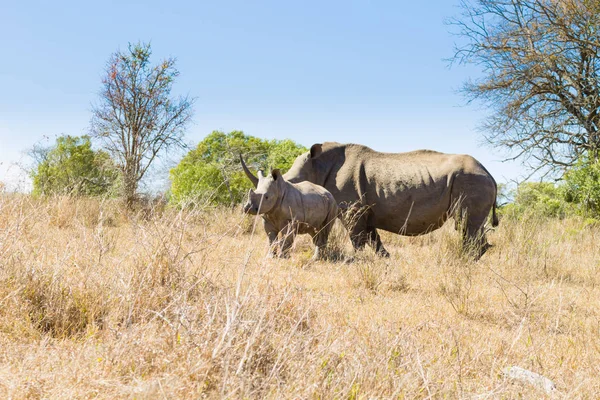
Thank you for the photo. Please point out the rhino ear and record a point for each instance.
(276, 174)
(316, 150)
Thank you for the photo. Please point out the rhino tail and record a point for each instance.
(494, 216)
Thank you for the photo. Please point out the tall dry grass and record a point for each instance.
(184, 304)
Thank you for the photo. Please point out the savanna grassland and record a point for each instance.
(164, 303)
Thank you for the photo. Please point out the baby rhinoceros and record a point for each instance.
(292, 208)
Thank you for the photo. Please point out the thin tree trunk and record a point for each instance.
(129, 189)
(228, 187)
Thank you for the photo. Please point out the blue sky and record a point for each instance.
(370, 72)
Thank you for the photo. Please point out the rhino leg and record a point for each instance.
(474, 238)
(360, 237)
(358, 220)
(319, 246)
(272, 235)
(373, 237)
(288, 235)
(354, 219)
(472, 228)
(473, 197)
(320, 241)
(318, 254)
(286, 246)
(375, 241)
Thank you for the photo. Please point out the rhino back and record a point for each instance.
(304, 202)
(409, 192)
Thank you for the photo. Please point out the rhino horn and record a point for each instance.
(252, 178)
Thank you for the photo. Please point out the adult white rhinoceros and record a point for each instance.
(406, 193)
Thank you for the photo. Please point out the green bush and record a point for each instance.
(577, 194)
(582, 186)
(72, 167)
(212, 173)
(542, 199)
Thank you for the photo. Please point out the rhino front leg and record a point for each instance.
(354, 220)
(272, 235)
(361, 235)
(272, 243)
(288, 236)
(358, 234)
(375, 241)
(359, 222)
(374, 238)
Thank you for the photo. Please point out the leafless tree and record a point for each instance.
(540, 62)
(136, 119)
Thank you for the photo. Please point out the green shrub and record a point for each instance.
(582, 186)
(212, 173)
(542, 199)
(72, 167)
(577, 194)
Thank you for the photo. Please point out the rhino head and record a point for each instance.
(264, 198)
(303, 168)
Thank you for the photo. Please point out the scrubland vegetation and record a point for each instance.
(167, 303)
(113, 298)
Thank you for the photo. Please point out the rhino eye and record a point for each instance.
(267, 197)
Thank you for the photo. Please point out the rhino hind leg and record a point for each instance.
(472, 228)
(321, 237)
(319, 248)
(473, 197)
(474, 239)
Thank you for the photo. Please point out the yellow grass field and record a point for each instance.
(97, 303)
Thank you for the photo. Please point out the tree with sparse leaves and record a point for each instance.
(541, 76)
(137, 119)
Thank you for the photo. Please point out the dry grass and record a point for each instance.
(171, 304)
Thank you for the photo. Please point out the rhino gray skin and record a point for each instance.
(289, 209)
(406, 193)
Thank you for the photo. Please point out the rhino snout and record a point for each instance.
(250, 209)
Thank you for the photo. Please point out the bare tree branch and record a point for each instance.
(136, 119)
(541, 63)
